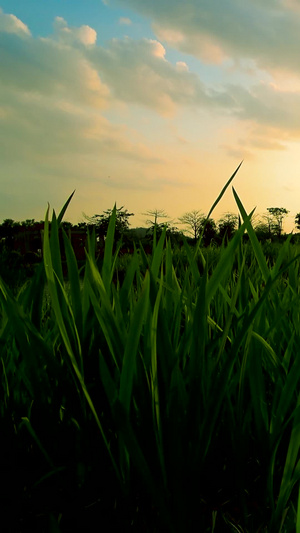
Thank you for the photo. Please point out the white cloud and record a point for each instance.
(87, 35)
(201, 44)
(134, 72)
(11, 24)
(46, 66)
(54, 92)
(266, 32)
(157, 49)
(182, 66)
(52, 128)
(138, 72)
(266, 106)
(69, 35)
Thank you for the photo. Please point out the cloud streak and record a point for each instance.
(69, 105)
(138, 72)
(51, 114)
(70, 67)
(266, 32)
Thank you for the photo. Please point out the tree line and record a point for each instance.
(195, 224)
(192, 223)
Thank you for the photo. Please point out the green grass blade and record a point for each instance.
(55, 248)
(64, 208)
(108, 251)
(223, 191)
(223, 268)
(102, 309)
(298, 513)
(74, 281)
(157, 254)
(253, 238)
(55, 298)
(291, 473)
(192, 261)
(127, 285)
(287, 397)
(131, 348)
(63, 331)
(154, 380)
(283, 253)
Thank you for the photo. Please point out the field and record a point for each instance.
(165, 400)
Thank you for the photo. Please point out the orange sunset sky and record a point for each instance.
(149, 104)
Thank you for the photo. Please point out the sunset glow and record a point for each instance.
(149, 105)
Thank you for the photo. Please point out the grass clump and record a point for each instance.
(167, 400)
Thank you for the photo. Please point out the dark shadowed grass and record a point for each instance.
(168, 401)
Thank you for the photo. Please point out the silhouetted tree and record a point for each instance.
(155, 215)
(227, 226)
(67, 225)
(193, 220)
(101, 222)
(8, 229)
(297, 221)
(277, 216)
(28, 223)
(155, 225)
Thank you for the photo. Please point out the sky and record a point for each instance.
(150, 104)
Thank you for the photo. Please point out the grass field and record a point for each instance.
(165, 402)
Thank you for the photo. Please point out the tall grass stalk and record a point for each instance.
(167, 402)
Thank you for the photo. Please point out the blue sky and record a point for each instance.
(148, 104)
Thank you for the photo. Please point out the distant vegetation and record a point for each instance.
(21, 243)
(154, 390)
